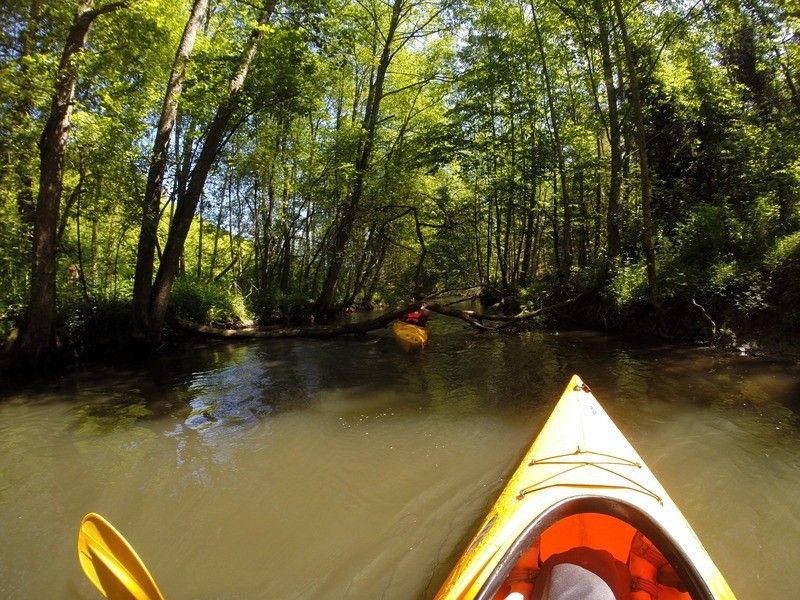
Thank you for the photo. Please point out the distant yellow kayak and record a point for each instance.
(410, 337)
(583, 507)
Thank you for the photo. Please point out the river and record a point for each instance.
(347, 468)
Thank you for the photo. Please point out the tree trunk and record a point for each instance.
(286, 261)
(79, 241)
(215, 247)
(644, 166)
(584, 225)
(527, 246)
(143, 278)
(37, 340)
(22, 110)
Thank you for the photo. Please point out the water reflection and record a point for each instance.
(232, 398)
(347, 468)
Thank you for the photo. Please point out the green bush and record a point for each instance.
(734, 288)
(10, 317)
(271, 304)
(783, 265)
(94, 326)
(629, 284)
(785, 254)
(206, 302)
(705, 235)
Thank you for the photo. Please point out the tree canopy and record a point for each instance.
(306, 157)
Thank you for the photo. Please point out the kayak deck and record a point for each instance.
(583, 488)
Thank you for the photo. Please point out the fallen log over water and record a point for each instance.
(361, 327)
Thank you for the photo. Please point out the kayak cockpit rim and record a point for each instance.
(613, 507)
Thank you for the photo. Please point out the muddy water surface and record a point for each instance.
(349, 469)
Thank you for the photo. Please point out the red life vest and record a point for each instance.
(416, 317)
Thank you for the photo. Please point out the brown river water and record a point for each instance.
(349, 469)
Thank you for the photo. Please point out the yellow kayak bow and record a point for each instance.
(582, 485)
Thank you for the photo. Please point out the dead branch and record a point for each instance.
(706, 318)
(534, 313)
(468, 316)
(471, 292)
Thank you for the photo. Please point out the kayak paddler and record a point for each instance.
(417, 317)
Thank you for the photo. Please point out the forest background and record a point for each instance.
(230, 161)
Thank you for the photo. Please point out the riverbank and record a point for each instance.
(101, 336)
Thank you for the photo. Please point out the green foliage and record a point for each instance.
(463, 184)
(783, 264)
(272, 304)
(205, 302)
(628, 286)
(704, 236)
(735, 290)
(784, 257)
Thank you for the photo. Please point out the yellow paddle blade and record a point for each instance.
(111, 564)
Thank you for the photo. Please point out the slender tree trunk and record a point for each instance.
(267, 232)
(494, 199)
(556, 245)
(37, 340)
(369, 126)
(510, 262)
(614, 138)
(644, 166)
(537, 243)
(151, 206)
(584, 225)
(566, 243)
(285, 272)
(22, 110)
(79, 241)
(217, 228)
(598, 194)
(200, 239)
(477, 234)
(373, 286)
(423, 251)
(362, 267)
(527, 247)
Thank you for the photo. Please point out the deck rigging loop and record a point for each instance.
(554, 460)
(573, 465)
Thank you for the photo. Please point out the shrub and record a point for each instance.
(207, 302)
(705, 235)
(783, 265)
(731, 287)
(10, 317)
(629, 284)
(785, 254)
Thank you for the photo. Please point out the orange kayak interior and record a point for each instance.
(600, 543)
